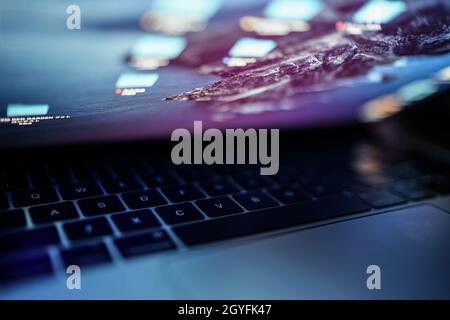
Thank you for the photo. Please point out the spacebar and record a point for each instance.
(269, 219)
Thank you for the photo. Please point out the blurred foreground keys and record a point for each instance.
(86, 255)
(26, 240)
(25, 268)
(12, 219)
(269, 219)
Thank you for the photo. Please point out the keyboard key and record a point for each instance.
(88, 228)
(412, 189)
(285, 178)
(143, 199)
(146, 243)
(100, 169)
(250, 182)
(81, 171)
(380, 198)
(404, 171)
(80, 190)
(25, 268)
(178, 213)
(156, 180)
(54, 212)
(182, 193)
(121, 167)
(135, 220)
(321, 188)
(12, 219)
(86, 255)
(3, 202)
(438, 182)
(13, 181)
(41, 177)
(375, 180)
(255, 200)
(27, 240)
(34, 197)
(218, 188)
(100, 205)
(60, 173)
(121, 185)
(194, 173)
(220, 206)
(270, 219)
(289, 194)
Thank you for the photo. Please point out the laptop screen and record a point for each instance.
(121, 70)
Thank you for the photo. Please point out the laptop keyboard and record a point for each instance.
(85, 210)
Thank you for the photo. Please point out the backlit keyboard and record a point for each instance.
(136, 206)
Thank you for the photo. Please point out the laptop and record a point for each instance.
(92, 205)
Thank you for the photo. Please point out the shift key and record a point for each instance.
(25, 240)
